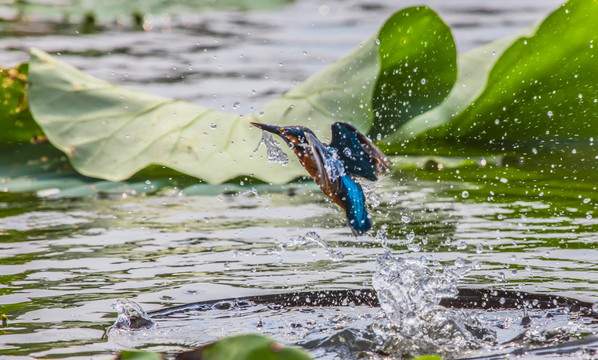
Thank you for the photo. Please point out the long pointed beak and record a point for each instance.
(275, 129)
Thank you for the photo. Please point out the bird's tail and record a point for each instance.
(354, 201)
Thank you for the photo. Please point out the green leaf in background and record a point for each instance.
(247, 347)
(414, 43)
(418, 67)
(541, 94)
(428, 357)
(340, 92)
(15, 119)
(138, 355)
(111, 132)
(474, 67)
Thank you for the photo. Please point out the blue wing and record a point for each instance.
(339, 186)
(359, 155)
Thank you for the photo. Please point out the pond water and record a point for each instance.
(64, 261)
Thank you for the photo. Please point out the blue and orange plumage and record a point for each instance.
(332, 165)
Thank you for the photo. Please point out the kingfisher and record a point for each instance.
(333, 165)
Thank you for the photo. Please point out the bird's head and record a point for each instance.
(294, 136)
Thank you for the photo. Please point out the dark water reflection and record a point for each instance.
(63, 262)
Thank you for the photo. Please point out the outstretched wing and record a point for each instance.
(359, 155)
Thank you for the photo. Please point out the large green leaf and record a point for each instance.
(138, 355)
(15, 119)
(472, 78)
(379, 78)
(541, 94)
(250, 347)
(240, 347)
(418, 68)
(111, 132)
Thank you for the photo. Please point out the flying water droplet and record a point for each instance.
(275, 153)
(309, 238)
(414, 247)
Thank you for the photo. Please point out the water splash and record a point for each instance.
(309, 238)
(410, 291)
(131, 316)
(275, 153)
(333, 165)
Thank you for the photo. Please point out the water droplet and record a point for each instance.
(549, 113)
(465, 194)
(414, 247)
(275, 153)
(405, 219)
(213, 126)
(479, 248)
(236, 105)
(423, 81)
(131, 316)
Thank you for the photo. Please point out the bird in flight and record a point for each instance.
(333, 166)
